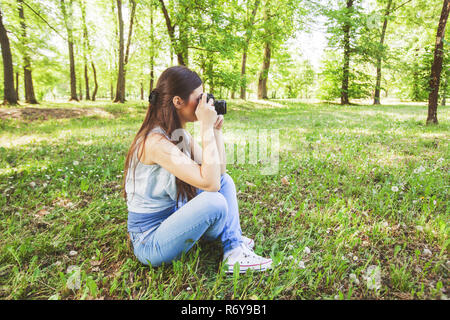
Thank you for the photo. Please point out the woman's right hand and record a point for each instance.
(205, 112)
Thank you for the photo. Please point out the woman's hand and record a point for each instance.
(219, 122)
(205, 112)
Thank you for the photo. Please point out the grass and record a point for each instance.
(368, 186)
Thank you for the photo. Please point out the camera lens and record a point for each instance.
(219, 105)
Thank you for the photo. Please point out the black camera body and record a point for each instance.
(219, 105)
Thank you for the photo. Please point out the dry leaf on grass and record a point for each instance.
(250, 184)
(42, 212)
(285, 181)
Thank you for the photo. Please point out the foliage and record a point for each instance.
(364, 189)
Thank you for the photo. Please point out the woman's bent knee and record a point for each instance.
(215, 203)
(226, 178)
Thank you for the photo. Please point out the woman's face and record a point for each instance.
(187, 110)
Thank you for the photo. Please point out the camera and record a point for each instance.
(219, 105)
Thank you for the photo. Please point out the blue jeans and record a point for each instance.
(213, 215)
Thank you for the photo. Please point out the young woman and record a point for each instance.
(172, 199)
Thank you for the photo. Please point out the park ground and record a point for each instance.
(357, 208)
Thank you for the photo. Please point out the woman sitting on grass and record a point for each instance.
(173, 200)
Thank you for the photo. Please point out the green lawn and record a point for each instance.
(368, 189)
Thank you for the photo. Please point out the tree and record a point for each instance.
(123, 56)
(262, 81)
(249, 25)
(10, 96)
(85, 48)
(68, 22)
(347, 50)
(180, 44)
(437, 65)
(376, 99)
(27, 70)
(280, 19)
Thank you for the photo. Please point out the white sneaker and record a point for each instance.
(247, 259)
(248, 242)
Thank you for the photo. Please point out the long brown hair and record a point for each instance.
(174, 81)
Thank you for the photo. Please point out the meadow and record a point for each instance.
(358, 207)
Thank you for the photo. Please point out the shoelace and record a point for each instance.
(248, 252)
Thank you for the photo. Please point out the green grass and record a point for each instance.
(368, 185)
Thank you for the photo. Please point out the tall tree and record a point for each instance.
(376, 99)
(10, 96)
(27, 71)
(152, 47)
(280, 20)
(120, 95)
(179, 45)
(263, 74)
(437, 65)
(380, 55)
(123, 56)
(68, 22)
(17, 86)
(249, 25)
(347, 51)
(85, 48)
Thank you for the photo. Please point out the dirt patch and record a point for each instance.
(32, 114)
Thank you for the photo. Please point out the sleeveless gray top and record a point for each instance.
(153, 188)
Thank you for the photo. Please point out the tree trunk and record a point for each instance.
(123, 58)
(243, 78)
(264, 73)
(68, 24)
(94, 71)
(111, 90)
(10, 96)
(80, 90)
(171, 31)
(262, 82)
(376, 99)
(437, 65)
(152, 51)
(85, 49)
(120, 95)
(444, 94)
(346, 67)
(127, 52)
(248, 33)
(17, 85)
(27, 78)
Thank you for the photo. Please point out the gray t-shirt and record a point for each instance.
(153, 188)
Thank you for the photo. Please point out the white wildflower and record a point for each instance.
(353, 278)
(73, 253)
(419, 169)
(74, 281)
(373, 277)
(427, 252)
(75, 163)
(394, 188)
(307, 250)
(33, 184)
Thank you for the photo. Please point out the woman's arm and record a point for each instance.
(221, 148)
(196, 150)
(205, 176)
